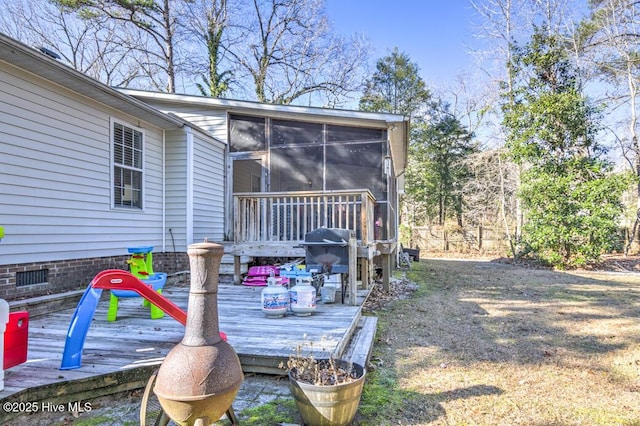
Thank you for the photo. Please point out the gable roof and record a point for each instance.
(37, 63)
(397, 125)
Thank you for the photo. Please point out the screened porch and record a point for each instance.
(291, 177)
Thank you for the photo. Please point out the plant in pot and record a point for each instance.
(326, 391)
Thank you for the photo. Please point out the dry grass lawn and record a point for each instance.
(489, 343)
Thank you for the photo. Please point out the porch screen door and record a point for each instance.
(249, 173)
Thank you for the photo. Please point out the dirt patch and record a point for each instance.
(492, 342)
(618, 263)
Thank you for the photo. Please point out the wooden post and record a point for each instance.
(365, 272)
(386, 271)
(237, 274)
(479, 237)
(353, 271)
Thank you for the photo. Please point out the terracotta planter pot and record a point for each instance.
(333, 405)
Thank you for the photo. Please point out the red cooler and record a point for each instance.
(15, 339)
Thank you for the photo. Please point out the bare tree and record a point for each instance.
(283, 49)
(290, 54)
(490, 192)
(500, 20)
(208, 22)
(612, 37)
(94, 47)
(156, 20)
(490, 196)
(471, 101)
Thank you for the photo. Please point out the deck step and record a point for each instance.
(43, 305)
(361, 344)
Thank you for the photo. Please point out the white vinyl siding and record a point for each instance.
(209, 174)
(213, 121)
(208, 190)
(55, 176)
(207, 207)
(176, 190)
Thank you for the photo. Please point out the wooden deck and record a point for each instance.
(121, 355)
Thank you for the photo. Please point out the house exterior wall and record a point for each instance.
(74, 274)
(212, 120)
(55, 186)
(209, 177)
(208, 189)
(202, 211)
(176, 191)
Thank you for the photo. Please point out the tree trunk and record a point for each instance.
(503, 212)
(169, 55)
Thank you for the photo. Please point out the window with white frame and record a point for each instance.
(127, 145)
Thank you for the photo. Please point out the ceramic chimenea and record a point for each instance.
(200, 377)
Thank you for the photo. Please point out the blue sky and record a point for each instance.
(436, 34)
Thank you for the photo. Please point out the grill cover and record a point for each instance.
(327, 250)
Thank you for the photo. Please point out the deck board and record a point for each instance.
(137, 341)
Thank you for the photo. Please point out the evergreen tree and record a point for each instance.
(396, 87)
(437, 169)
(570, 195)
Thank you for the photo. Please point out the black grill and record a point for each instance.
(327, 250)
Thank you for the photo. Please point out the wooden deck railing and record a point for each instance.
(289, 216)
